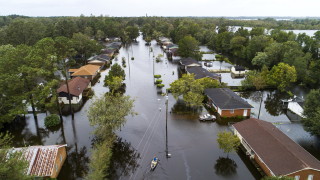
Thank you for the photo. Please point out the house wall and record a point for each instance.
(305, 173)
(237, 112)
(263, 166)
(61, 157)
(74, 100)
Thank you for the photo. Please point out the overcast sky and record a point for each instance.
(161, 7)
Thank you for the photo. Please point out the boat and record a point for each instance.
(207, 117)
(154, 163)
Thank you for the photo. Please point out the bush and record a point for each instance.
(158, 81)
(52, 120)
(157, 76)
(160, 85)
(132, 58)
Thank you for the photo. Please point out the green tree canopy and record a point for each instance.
(311, 111)
(228, 142)
(189, 47)
(282, 75)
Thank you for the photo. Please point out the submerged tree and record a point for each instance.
(189, 47)
(311, 122)
(228, 142)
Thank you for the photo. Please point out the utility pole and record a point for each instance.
(167, 153)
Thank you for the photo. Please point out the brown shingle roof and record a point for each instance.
(281, 154)
(86, 70)
(76, 86)
(41, 159)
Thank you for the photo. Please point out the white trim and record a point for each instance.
(308, 168)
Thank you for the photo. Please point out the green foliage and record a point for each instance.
(189, 47)
(132, 32)
(311, 111)
(115, 83)
(160, 85)
(190, 89)
(256, 79)
(228, 142)
(12, 166)
(52, 120)
(158, 81)
(282, 75)
(157, 76)
(115, 71)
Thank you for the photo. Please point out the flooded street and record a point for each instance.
(192, 144)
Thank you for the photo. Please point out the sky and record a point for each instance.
(122, 8)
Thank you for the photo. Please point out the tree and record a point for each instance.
(261, 59)
(132, 32)
(228, 142)
(190, 89)
(257, 44)
(282, 75)
(311, 111)
(256, 79)
(107, 115)
(189, 47)
(115, 71)
(12, 166)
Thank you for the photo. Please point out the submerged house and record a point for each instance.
(238, 71)
(43, 161)
(189, 62)
(99, 60)
(200, 72)
(88, 71)
(274, 152)
(76, 87)
(227, 103)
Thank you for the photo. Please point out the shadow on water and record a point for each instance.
(225, 167)
(180, 107)
(124, 159)
(76, 164)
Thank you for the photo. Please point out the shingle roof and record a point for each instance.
(41, 159)
(224, 98)
(281, 154)
(86, 70)
(188, 61)
(76, 86)
(200, 72)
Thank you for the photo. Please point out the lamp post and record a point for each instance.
(167, 153)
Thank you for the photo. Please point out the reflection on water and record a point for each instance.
(225, 166)
(124, 159)
(180, 107)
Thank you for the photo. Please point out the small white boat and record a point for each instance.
(154, 163)
(207, 117)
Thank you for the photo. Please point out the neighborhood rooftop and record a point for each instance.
(41, 159)
(188, 61)
(86, 70)
(278, 152)
(225, 98)
(76, 86)
(200, 72)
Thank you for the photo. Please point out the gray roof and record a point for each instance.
(279, 153)
(200, 72)
(188, 61)
(224, 98)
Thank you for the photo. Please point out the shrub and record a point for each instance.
(132, 58)
(158, 81)
(157, 76)
(160, 85)
(52, 120)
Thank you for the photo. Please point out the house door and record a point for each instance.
(245, 112)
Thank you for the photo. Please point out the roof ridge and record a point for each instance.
(278, 140)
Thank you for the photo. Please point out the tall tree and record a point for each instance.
(311, 111)
(189, 47)
(228, 142)
(282, 75)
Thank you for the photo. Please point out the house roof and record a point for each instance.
(76, 86)
(41, 159)
(86, 70)
(224, 98)
(239, 68)
(188, 61)
(281, 154)
(200, 72)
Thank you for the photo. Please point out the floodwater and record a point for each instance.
(192, 144)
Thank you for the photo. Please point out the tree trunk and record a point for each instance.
(59, 109)
(69, 96)
(33, 108)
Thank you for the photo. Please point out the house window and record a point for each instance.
(310, 177)
(296, 177)
(232, 111)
